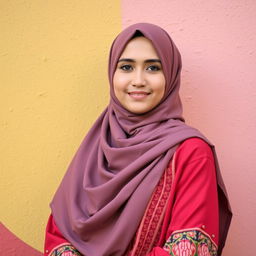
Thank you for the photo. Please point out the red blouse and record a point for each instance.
(182, 215)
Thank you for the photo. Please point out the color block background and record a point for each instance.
(53, 82)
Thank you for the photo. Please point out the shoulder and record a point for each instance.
(194, 158)
(193, 149)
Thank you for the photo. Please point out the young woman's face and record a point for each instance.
(139, 82)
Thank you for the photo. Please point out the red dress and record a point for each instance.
(182, 215)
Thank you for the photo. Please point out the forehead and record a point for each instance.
(139, 47)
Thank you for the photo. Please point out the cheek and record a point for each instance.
(118, 82)
(119, 86)
(160, 85)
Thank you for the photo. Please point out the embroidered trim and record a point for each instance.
(149, 230)
(173, 166)
(198, 229)
(65, 249)
(190, 242)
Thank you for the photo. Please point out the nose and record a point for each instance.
(139, 79)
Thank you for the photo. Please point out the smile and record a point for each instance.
(138, 94)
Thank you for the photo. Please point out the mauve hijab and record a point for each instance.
(104, 193)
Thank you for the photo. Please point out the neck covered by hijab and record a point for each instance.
(104, 193)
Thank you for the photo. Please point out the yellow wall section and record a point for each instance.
(53, 79)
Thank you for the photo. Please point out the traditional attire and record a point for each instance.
(144, 184)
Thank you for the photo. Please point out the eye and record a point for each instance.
(126, 67)
(153, 68)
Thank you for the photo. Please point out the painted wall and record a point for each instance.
(217, 41)
(52, 55)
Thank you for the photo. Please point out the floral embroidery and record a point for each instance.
(65, 250)
(190, 243)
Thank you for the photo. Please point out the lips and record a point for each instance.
(138, 94)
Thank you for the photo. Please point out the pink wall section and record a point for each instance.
(217, 41)
(11, 245)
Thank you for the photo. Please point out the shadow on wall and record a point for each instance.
(11, 245)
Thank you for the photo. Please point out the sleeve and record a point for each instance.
(55, 243)
(194, 222)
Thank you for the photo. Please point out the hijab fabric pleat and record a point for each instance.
(104, 193)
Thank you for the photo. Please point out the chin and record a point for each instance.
(139, 111)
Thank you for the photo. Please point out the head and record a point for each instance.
(144, 71)
(139, 82)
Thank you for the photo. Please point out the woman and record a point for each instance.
(142, 181)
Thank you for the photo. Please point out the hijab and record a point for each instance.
(104, 193)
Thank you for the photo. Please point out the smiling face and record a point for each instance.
(139, 82)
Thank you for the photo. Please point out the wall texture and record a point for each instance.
(52, 55)
(217, 41)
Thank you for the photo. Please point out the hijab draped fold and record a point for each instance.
(104, 193)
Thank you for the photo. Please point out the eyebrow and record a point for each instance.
(146, 61)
